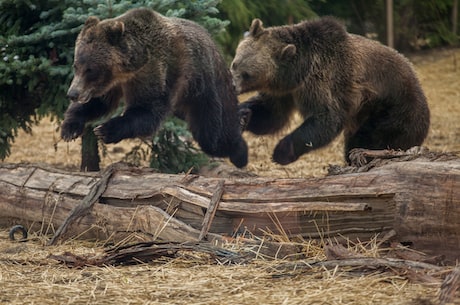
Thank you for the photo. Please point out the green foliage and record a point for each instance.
(417, 23)
(36, 47)
(171, 150)
(433, 22)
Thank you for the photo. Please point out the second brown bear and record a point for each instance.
(337, 81)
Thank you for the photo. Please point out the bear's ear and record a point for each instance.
(92, 20)
(115, 31)
(288, 51)
(256, 27)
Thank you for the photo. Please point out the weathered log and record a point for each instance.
(418, 199)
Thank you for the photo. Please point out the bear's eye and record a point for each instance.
(245, 76)
(91, 74)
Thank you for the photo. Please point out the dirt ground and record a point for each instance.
(28, 276)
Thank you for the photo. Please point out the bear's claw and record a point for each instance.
(98, 132)
(71, 130)
(107, 133)
(245, 117)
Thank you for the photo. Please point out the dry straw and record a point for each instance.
(28, 275)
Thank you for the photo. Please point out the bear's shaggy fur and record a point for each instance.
(337, 81)
(159, 65)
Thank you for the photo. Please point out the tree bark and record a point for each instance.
(390, 30)
(416, 196)
(90, 158)
(454, 17)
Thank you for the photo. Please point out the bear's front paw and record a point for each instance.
(245, 117)
(284, 152)
(71, 130)
(107, 134)
(103, 133)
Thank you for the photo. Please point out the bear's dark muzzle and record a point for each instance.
(73, 95)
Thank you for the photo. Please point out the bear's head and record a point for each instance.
(103, 59)
(260, 60)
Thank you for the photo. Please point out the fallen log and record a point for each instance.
(416, 195)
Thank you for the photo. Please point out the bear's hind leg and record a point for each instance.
(390, 129)
(361, 139)
(218, 133)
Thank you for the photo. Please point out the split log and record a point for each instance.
(419, 199)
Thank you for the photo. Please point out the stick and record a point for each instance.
(364, 262)
(84, 207)
(378, 262)
(211, 211)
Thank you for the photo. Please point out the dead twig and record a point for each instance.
(212, 208)
(84, 207)
(366, 262)
(398, 266)
(146, 252)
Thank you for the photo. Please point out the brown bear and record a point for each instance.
(159, 65)
(337, 81)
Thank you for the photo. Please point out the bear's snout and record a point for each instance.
(237, 84)
(236, 88)
(73, 94)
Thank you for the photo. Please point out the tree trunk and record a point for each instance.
(454, 17)
(89, 151)
(390, 30)
(419, 199)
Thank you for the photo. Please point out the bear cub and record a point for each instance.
(337, 81)
(158, 65)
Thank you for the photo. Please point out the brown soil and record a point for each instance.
(28, 276)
